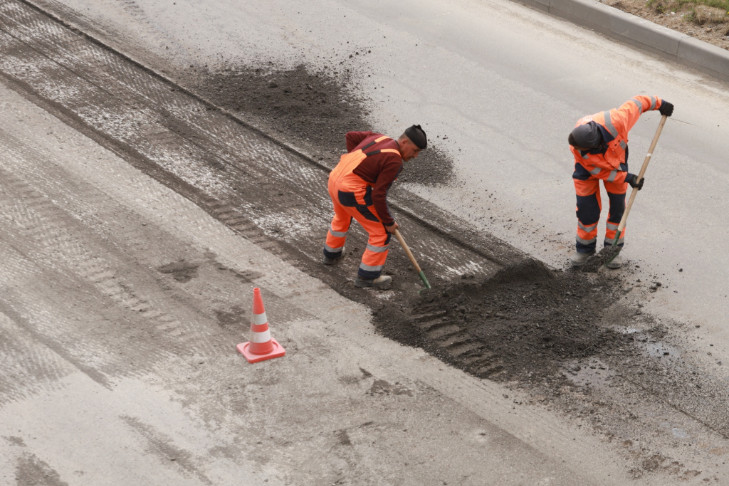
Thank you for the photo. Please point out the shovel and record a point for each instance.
(608, 253)
(412, 258)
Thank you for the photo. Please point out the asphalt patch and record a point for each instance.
(571, 339)
(316, 109)
(528, 320)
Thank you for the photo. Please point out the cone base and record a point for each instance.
(277, 352)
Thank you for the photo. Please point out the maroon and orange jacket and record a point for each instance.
(379, 170)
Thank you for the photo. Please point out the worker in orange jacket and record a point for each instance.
(599, 144)
(358, 187)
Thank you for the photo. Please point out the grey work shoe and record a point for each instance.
(333, 261)
(615, 263)
(383, 282)
(578, 259)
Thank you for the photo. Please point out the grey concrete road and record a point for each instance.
(499, 87)
(122, 306)
(91, 242)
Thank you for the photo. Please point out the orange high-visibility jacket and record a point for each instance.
(617, 122)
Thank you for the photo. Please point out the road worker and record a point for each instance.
(599, 144)
(358, 187)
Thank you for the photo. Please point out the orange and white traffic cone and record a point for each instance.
(261, 346)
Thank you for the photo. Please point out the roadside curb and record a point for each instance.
(639, 32)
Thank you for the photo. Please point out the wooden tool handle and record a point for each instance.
(407, 250)
(643, 168)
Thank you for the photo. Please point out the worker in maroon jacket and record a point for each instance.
(358, 187)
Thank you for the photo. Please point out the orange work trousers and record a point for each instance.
(352, 198)
(588, 211)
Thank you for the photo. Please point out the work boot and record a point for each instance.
(333, 260)
(383, 282)
(616, 262)
(579, 259)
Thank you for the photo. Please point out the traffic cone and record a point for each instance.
(261, 346)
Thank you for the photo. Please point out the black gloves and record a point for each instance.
(632, 178)
(666, 108)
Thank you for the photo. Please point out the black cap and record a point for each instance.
(417, 136)
(586, 136)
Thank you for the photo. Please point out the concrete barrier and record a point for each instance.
(640, 33)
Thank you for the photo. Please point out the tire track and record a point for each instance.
(117, 281)
(26, 368)
(455, 344)
(210, 150)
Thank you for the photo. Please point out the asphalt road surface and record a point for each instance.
(139, 215)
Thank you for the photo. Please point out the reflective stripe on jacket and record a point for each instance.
(617, 123)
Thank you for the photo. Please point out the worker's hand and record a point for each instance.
(632, 180)
(392, 227)
(666, 108)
